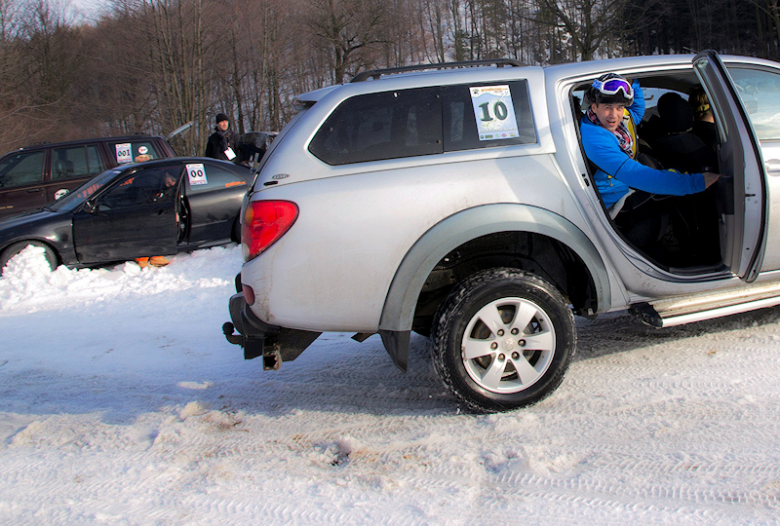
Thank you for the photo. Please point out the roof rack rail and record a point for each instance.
(377, 73)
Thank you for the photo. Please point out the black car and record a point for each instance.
(33, 176)
(153, 208)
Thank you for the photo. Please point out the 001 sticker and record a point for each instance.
(124, 153)
(196, 174)
(495, 112)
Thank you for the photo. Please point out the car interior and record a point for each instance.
(687, 239)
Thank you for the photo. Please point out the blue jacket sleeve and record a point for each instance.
(602, 148)
(637, 108)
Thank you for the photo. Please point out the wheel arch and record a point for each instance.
(23, 242)
(459, 230)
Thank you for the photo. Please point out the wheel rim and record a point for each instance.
(508, 345)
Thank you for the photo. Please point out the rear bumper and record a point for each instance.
(274, 344)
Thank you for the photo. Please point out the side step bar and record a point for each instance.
(677, 311)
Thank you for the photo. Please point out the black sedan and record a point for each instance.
(153, 208)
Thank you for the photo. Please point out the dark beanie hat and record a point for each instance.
(221, 117)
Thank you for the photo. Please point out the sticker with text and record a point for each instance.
(495, 112)
(196, 174)
(124, 153)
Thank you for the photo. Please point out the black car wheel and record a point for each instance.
(503, 339)
(14, 249)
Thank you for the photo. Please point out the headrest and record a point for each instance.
(675, 113)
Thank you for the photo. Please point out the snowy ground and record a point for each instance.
(122, 403)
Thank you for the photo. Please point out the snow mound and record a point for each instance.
(29, 285)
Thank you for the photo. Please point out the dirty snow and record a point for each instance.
(122, 403)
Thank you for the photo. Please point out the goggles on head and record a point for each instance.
(613, 86)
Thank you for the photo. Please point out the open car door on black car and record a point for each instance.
(741, 191)
(136, 216)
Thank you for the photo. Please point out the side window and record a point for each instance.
(22, 169)
(760, 93)
(379, 126)
(141, 188)
(95, 161)
(204, 177)
(487, 115)
(81, 161)
(133, 151)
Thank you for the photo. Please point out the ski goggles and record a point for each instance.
(612, 86)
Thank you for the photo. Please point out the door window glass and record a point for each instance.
(204, 177)
(141, 188)
(760, 93)
(22, 169)
(95, 161)
(81, 161)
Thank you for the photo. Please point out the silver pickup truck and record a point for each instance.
(456, 201)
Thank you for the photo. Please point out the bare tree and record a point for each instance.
(347, 27)
(771, 9)
(179, 50)
(587, 23)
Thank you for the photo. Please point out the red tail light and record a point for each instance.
(264, 223)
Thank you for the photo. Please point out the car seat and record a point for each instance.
(694, 218)
(677, 147)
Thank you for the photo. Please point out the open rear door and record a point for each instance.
(742, 190)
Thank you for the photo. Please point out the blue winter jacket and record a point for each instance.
(617, 171)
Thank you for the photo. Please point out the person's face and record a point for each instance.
(609, 115)
(169, 180)
(223, 125)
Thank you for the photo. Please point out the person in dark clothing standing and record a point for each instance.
(222, 144)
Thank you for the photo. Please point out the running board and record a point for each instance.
(680, 310)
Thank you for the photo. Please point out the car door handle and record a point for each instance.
(34, 190)
(773, 166)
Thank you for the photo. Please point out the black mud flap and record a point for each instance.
(397, 346)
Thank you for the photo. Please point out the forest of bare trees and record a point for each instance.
(151, 66)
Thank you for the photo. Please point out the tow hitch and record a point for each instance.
(274, 344)
(228, 329)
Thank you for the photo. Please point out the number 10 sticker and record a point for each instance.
(196, 174)
(495, 112)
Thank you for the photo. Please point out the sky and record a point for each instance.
(87, 10)
(122, 403)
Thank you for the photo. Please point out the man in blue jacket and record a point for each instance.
(609, 138)
(608, 131)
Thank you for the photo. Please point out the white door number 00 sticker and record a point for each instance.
(196, 174)
(124, 153)
(495, 112)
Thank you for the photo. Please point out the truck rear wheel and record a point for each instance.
(503, 339)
